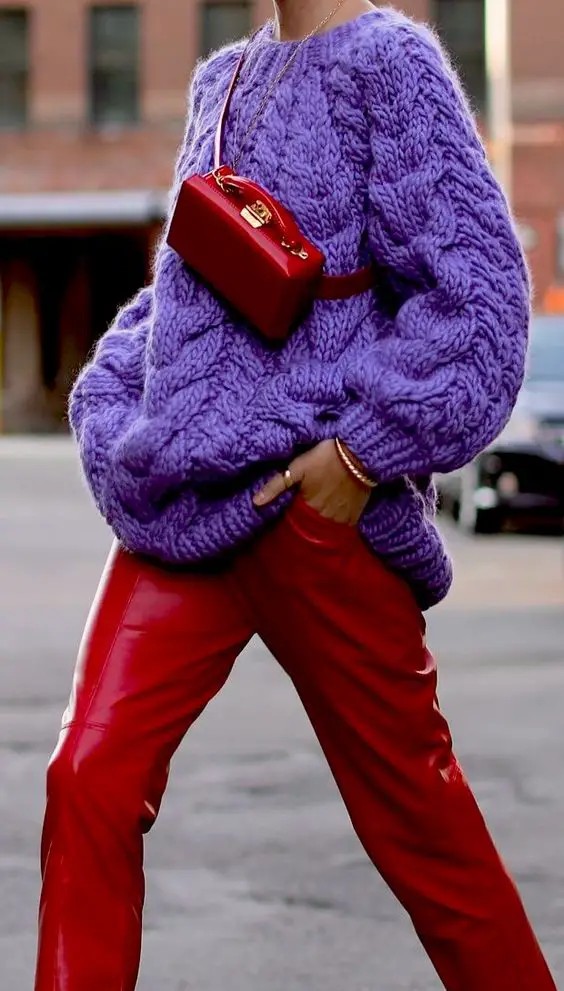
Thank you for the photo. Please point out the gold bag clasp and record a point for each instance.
(256, 214)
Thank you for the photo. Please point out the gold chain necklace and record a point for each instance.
(277, 78)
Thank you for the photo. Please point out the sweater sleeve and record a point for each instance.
(107, 393)
(107, 397)
(440, 383)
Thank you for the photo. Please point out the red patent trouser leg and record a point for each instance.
(158, 647)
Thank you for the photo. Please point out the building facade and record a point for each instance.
(92, 105)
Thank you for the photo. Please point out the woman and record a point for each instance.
(215, 459)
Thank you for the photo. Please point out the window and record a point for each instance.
(461, 25)
(223, 22)
(14, 25)
(114, 64)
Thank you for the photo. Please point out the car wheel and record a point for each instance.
(471, 517)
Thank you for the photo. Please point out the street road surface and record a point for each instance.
(255, 879)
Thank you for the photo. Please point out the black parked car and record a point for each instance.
(522, 472)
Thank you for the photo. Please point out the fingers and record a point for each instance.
(277, 485)
(273, 488)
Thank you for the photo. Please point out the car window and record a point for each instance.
(546, 350)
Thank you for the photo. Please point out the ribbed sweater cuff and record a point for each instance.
(386, 452)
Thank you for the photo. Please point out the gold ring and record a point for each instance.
(288, 480)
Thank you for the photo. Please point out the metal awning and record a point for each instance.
(37, 210)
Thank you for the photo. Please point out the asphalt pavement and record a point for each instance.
(255, 879)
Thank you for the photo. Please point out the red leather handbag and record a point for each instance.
(248, 247)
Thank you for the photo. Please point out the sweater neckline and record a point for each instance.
(324, 39)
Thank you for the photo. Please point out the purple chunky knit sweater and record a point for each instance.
(182, 413)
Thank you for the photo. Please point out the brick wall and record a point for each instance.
(60, 151)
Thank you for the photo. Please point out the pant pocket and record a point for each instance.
(306, 521)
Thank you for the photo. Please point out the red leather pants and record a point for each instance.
(160, 644)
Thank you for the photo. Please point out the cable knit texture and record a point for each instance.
(183, 411)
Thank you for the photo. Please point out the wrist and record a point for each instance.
(354, 458)
(354, 465)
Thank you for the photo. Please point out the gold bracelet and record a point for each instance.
(354, 470)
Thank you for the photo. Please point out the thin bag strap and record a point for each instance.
(223, 116)
(330, 286)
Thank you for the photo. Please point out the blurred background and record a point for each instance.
(255, 879)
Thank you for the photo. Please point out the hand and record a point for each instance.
(325, 483)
